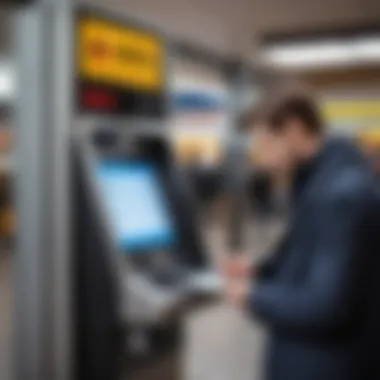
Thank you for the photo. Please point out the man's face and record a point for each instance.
(275, 149)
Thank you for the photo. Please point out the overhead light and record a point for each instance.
(368, 48)
(324, 53)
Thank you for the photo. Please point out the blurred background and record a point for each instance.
(222, 55)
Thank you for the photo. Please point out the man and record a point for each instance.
(318, 294)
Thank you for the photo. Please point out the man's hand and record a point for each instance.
(237, 267)
(238, 293)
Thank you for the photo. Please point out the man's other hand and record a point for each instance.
(237, 267)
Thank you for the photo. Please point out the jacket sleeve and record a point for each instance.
(325, 300)
(266, 268)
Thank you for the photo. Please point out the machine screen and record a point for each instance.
(136, 204)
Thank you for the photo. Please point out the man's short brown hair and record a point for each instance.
(277, 108)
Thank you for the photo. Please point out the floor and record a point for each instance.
(222, 344)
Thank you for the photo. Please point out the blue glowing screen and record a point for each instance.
(136, 204)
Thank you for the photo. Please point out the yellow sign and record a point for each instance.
(120, 56)
(352, 109)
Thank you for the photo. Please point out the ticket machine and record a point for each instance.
(138, 252)
(140, 256)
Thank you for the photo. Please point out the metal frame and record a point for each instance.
(42, 339)
(29, 199)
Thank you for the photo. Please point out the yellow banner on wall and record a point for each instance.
(120, 56)
(356, 109)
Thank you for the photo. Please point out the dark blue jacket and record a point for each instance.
(319, 293)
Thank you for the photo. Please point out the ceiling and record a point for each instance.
(235, 29)
(301, 14)
(234, 26)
